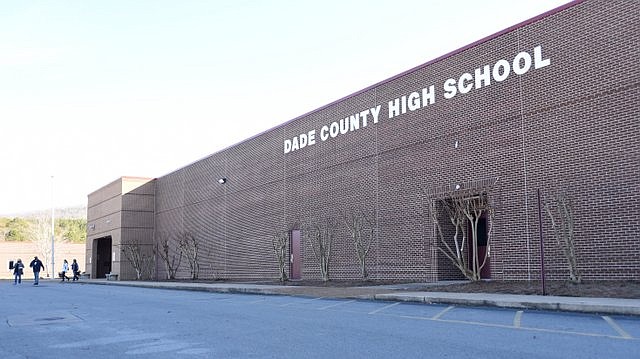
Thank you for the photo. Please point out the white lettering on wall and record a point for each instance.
(501, 70)
(415, 101)
(299, 142)
(481, 77)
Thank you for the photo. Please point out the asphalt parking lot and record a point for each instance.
(60, 320)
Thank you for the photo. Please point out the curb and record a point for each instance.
(552, 303)
(568, 304)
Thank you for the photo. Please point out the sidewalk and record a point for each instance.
(403, 293)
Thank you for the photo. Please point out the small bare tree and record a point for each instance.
(463, 207)
(141, 262)
(453, 213)
(189, 247)
(559, 208)
(40, 231)
(279, 243)
(171, 258)
(320, 236)
(475, 208)
(362, 231)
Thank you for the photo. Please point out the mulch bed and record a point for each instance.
(602, 289)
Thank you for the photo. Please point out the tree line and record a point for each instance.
(19, 229)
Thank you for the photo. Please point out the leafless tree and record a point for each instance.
(320, 236)
(456, 254)
(362, 231)
(40, 231)
(171, 258)
(143, 263)
(189, 247)
(559, 208)
(463, 207)
(279, 243)
(474, 209)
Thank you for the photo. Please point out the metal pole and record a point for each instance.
(544, 290)
(53, 262)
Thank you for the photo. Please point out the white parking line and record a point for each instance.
(437, 316)
(495, 325)
(305, 301)
(337, 304)
(517, 319)
(616, 327)
(383, 308)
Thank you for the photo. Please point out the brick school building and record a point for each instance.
(546, 109)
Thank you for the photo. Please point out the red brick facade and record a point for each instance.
(565, 117)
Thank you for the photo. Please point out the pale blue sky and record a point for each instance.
(175, 81)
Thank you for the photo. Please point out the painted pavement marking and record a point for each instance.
(383, 308)
(616, 327)
(437, 316)
(337, 304)
(517, 319)
(304, 301)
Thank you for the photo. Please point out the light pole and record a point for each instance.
(53, 236)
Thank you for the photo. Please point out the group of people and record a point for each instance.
(65, 268)
(37, 265)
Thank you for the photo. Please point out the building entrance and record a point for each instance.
(295, 258)
(483, 238)
(103, 256)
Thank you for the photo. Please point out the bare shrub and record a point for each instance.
(279, 244)
(188, 245)
(320, 236)
(362, 230)
(463, 206)
(141, 261)
(170, 257)
(559, 208)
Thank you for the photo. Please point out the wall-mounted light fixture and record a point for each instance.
(457, 187)
(222, 180)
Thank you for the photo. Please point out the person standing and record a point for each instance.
(76, 270)
(17, 272)
(65, 269)
(37, 265)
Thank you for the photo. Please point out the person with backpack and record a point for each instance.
(37, 265)
(18, 271)
(76, 270)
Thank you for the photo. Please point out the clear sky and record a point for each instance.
(91, 90)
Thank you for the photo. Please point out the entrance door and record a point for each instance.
(295, 258)
(485, 272)
(103, 257)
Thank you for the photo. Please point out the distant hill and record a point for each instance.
(76, 212)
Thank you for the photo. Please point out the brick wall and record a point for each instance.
(570, 125)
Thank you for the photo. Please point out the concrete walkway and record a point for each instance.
(403, 293)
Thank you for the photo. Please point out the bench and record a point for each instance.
(111, 276)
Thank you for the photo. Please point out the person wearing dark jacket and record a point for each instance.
(76, 270)
(17, 272)
(37, 265)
